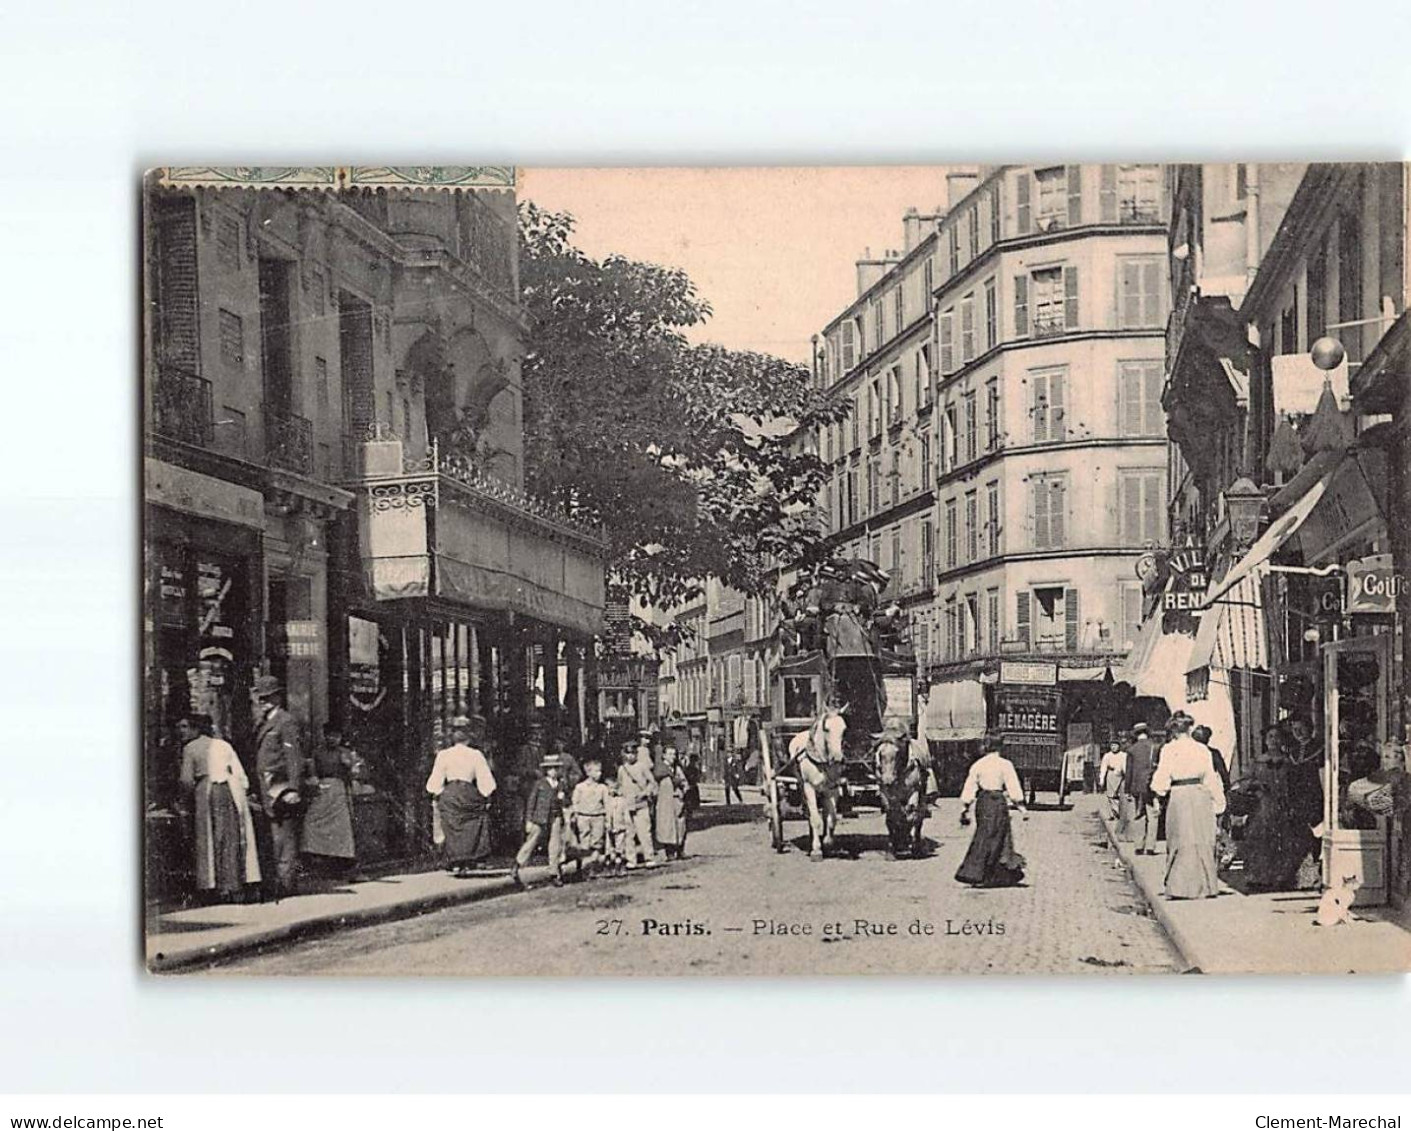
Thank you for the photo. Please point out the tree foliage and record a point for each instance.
(690, 456)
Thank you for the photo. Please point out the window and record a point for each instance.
(972, 527)
(946, 333)
(928, 552)
(319, 285)
(1050, 511)
(898, 309)
(952, 625)
(992, 429)
(852, 497)
(875, 548)
(1139, 194)
(991, 315)
(1143, 503)
(1050, 616)
(895, 406)
(995, 215)
(948, 438)
(952, 535)
(1052, 190)
(321, 385)
(232, 338)
(874, 408)
(972, 622)
(1048, 407)
(992, 523)
(922, 645)
(1139, 391)
(925, 461)
(228, 243)
(856, 423)
(1139, 292)
(1054, 291)
(874, 485)
(972, 429)
(898, 559)
(967, 328)
(849, 347)
(1288, 325)
(923, 377)
(894, 479)
(953, 232)
(1129, 598)
(992, 620)
(878, 327)
(1317, 319)
(973, 227)
(928, 283)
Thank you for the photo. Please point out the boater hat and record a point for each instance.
(551, 762)
(266, 686)
(1139, 728)
(460, 722)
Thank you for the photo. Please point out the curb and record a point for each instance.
(174, 961)
(1180, 938)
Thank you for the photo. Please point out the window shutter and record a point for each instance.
(1131, 509)
(1058, 513)
(1151, 292)
(1130, 391)
(1153, 423)
(178, 305)
(1038, 411)
(1070, 297)
(947, 333)
(1057, 407)
(1021, 306)
(1041, 527)
(1151, 507)
(1129, 294)
(1022, 617)
(1024, 187)
(1072, 622)
(1075, 195)
(1107, 194)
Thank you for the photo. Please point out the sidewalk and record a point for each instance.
(1267, 933)
(198, 936)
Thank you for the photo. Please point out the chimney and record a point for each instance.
(958, 183)
(870, 270)
(911, 230)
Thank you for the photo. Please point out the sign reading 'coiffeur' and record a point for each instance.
(1372, 585)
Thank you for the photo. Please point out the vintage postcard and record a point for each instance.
(776, 571)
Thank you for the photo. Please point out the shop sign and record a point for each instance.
(1028, 717)
(1187, 581)
(899, 690)
(1028, 673)
(1372, 586)
(297, 639)
(202, 495)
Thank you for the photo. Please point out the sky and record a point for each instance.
(772, 250)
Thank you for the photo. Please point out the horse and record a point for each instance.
(820, 756)
(902, 779)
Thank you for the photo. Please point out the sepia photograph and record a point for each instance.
(759, 571)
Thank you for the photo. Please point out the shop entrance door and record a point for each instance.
(1355, 700)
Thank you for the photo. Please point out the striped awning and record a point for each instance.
(1156, 666)
(1232, 631)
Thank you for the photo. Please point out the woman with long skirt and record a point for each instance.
(670, 805)
(1186, 776)
(991, 787)
(461, 784)
(227, 859)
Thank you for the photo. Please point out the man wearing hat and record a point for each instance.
(461, 783)
(544, 813)
(282, 773)
(1144, 809)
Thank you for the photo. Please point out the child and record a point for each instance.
(589, 805)
(544, 811)
(619, 827)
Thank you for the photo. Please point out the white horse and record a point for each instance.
(819, 752)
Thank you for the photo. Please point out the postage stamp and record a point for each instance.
(909, 570)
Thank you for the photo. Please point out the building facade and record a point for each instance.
(333, 487)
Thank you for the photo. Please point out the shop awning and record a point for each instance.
(955, 711)
(1232, 633)
(1156, 666)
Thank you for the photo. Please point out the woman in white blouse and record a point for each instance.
(991, 787)
(1186, 776)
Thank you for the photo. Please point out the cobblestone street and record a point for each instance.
(735, 907)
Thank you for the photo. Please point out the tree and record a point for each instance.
(692, 457)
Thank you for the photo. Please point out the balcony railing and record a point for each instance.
(1047, 325)
(289, 442)
(1138, 212)
(181, 407)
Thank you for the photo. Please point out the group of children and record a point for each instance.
(605, 825)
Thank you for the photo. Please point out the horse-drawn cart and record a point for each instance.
(841, 659)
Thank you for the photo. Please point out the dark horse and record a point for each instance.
(902, 767)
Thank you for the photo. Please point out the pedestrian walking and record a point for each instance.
(733, 773)
(1142, 816)
(215, 788)
(991, 787)
(589, 805)
(544, 814)
(638, 785)
(1202, 734)
(327, 831)
(462, 784)
(284, 778)
(670, 804)
(1187, 775)
(1112, 771)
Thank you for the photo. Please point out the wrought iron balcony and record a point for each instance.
(1139, 212)
(1047, 325)
(289, 442)
(181, 406)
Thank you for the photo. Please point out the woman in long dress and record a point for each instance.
(461, 783)
(991, 787)
(1186, 776)
(226, 854)
(1276, 838)
(670, 805)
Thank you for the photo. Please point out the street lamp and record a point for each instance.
(1327, 353)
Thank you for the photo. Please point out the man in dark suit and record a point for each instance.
(1145, 807)
(282, 772)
